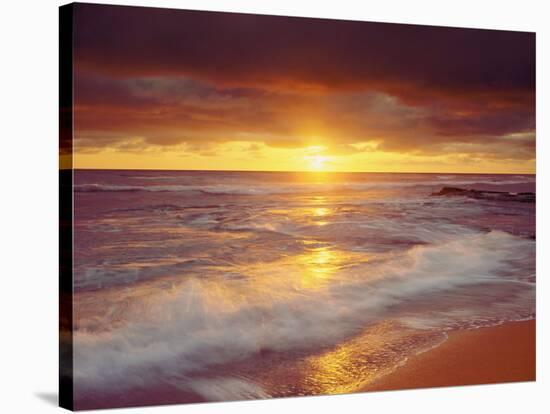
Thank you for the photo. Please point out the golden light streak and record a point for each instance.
(238, 156)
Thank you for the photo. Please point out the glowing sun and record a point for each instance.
(316, 162)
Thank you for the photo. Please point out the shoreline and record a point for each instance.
(498, 354)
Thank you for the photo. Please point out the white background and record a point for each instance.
(28, 203)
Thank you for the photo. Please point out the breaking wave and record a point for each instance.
(287, 188)
(201, 323)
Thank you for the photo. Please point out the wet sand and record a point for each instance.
(504, 353)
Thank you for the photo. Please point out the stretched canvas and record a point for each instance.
(257, 206)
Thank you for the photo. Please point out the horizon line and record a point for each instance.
(299, 171)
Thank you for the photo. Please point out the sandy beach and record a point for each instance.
(504, 353)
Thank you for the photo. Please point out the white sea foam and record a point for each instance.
(225, 389)
(187, 330)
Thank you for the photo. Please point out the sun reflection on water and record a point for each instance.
(317, 266)
(314, 268)
(357, 362)
(320, 211)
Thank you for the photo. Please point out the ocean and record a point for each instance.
(212, 285)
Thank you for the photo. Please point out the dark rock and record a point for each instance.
(486, 195)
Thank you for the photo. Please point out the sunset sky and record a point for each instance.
(171, 89)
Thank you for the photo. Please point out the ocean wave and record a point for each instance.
(223, 389)
(205, 322)
(286, 188)
(96, 188)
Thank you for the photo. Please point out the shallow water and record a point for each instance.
(199, 286)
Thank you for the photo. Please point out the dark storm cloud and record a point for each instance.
(243, 48)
